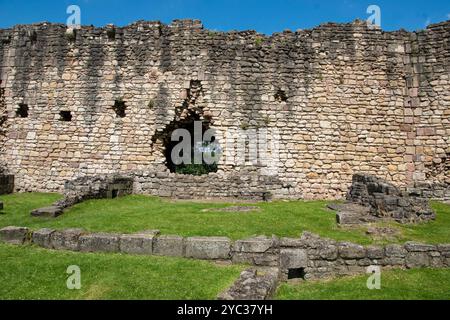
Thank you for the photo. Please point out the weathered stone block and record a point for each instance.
(329, 252)
(346, 218)
(437, 261)
(375, 252)
(291, 242)
(253, 285)
(364, 262)
(446, 261)
(212, 248)
(393, 261)
(351, 251)
(395, 250)
(254, 245)
(419, 247)
(444, 249)
(47, 212)
(66, 239)
(14, 235)
(137, 243)
(417, 260)
(99, 242)
(169, 246)
(293, 259)
(42, 237)
(269, 258)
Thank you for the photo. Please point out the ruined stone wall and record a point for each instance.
(308, 257)
(343, 98)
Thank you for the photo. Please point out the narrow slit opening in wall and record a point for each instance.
(22, 111)
(65, 116)
(296, 273)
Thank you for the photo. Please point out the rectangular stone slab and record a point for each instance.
(42, 237)
(137, 243)
(47, 212)
(293, 259)
(169, 246)
(419, 247)
(99, 242)
(14, 235)
(208, 248)
(253, 245)
(348, 218)
(66, 239)
(351, 251)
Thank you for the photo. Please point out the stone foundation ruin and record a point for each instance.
(343, 98)
(86, 188)
(371, 199)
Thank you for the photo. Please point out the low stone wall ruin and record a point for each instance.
(307, 257)
(372, 199)
(86, 188)
(245, 184)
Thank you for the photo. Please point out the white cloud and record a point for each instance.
(448, 15)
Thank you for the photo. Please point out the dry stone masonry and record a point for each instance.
(307, 257)
(370, 199)
(344, 99)
(85, 188)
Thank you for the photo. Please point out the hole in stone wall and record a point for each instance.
(22, 111)
(120, 107)
(114, 193)
(6, 40)
(33, 36)
(280, 96)
(111, 33)
(65, 116)
(297, 273)
(186, 115)
(190, 168)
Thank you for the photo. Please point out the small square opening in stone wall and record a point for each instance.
(22, 111)
(65, 116)
(280, 96)
(120, 108)
(296, 273)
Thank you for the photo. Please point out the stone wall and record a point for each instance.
(343, 98)
(308, 257)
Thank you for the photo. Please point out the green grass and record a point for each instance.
(423, 284)
(28, 272)
(136, 213)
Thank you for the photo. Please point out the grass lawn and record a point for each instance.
(136, 213)
(32, 273)
(423, 284)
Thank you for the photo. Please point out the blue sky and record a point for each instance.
(262, 16)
